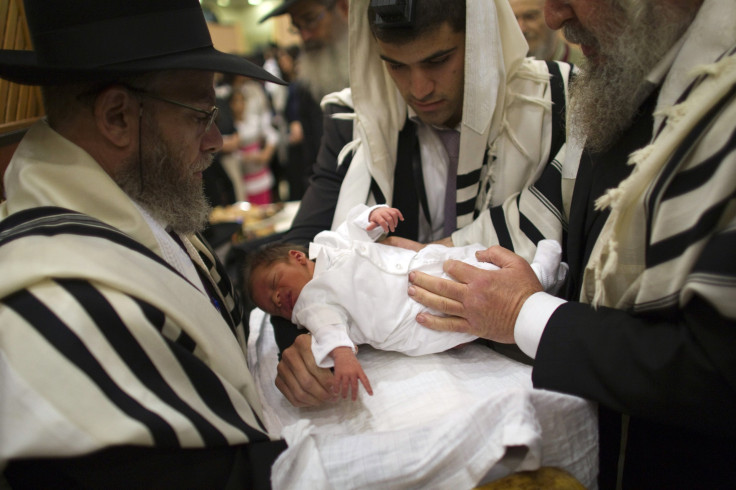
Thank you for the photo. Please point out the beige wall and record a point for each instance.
(239, 31)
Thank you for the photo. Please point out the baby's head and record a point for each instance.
(275, 274)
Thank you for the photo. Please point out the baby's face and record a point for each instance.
(276, 287)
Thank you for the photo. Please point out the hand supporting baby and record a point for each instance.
(347, 373)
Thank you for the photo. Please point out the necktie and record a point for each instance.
(451, 141)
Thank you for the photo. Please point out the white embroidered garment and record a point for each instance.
(358, 292)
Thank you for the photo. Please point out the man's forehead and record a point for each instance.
(196, 84)
(432, 43)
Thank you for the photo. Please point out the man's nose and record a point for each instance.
(421, 84)
(557, 12)
(211, 140)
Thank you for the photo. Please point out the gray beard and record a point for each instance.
(606, 95)
(170, 197)
(325, 70)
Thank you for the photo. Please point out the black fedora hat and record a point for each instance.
(76, 40)
(280, 10)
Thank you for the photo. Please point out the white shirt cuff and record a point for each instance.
(533, 317)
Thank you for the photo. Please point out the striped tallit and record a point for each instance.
(103, 343)
(672, 230)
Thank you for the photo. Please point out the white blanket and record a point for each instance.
(448, 420)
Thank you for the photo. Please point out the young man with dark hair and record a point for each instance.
(444, 117)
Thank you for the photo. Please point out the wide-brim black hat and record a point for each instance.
(77, 40)
(280, 10)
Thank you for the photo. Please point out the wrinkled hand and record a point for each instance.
(299, 378)
(386, 218)
(397, 241)
(347, 373)
(483, 303)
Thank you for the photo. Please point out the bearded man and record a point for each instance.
(646, 208)
(322, 66)
(121, 349)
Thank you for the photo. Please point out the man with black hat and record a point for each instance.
(322, 66)
(121, 347)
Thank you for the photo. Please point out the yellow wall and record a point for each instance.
(239, 31)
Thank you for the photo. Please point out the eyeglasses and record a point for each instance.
(208, 116)
(309, 24)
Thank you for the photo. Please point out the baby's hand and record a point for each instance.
(386, 218)
(347, 373)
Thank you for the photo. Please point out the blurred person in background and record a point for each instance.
(544, 43)
(323, 63)
(255, 141)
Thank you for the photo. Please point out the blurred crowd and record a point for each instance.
(262, 159)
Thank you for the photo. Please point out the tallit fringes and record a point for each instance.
(547, 104)
(526, 72)
(714, 69)
(347, 150)
(675, 113)
(608, 199)
(486, 185)
(505, 128)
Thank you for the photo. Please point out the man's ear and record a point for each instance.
(300, 257)
(117, 115)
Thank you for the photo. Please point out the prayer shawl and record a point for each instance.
(670, 234)
(102, 342)
(506, 129)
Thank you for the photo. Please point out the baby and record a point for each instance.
(347, 290)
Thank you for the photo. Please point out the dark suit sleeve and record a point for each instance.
(678, 369)
(320, 200)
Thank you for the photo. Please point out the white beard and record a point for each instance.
(606, 95)
(164, 185)
(325, 70)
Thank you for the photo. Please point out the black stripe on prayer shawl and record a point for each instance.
(469, 179)
(157, 318)
(710, 261)
(466, 207)
(205, 382)
(130, 351)
(529, 229)
(50, 221)
(683, 150)
(224, 284)
(693, 178)
(548, 191)
(213, 394)
(499, 225)
(675, 245)
(68, 344)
